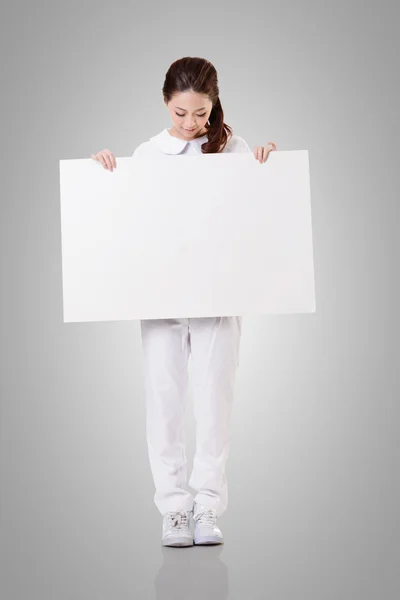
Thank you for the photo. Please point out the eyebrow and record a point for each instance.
(179, 108)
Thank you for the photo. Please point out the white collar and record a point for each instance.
(171, 144)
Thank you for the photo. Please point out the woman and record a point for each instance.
(191, 95)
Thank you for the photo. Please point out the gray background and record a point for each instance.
(313, 471)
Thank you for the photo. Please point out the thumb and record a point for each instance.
(93, 156)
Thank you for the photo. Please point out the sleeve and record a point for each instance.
(138, 150)
(241, 145)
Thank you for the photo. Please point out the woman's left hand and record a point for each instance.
(261, 152)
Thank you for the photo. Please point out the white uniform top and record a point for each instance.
(166, 143)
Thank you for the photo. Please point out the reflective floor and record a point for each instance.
(300, 541)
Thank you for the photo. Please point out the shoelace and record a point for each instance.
(207, 517)
(177, 520)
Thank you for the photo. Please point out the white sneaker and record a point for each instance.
(176, 529)
(205, 526)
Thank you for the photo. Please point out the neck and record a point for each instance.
(174, 133)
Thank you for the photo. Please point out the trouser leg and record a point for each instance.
(215, 344)
(166, 346)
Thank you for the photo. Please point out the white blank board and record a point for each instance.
(176, 236)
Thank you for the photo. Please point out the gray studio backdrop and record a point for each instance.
(313, 470)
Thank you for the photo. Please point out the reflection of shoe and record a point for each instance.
(176, 529)
(205, 527)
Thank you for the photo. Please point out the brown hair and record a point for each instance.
(199, 75)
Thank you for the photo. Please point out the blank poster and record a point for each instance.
(175, 236)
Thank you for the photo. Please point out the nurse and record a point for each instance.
(191, 95)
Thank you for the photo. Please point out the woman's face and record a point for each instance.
(189, 110)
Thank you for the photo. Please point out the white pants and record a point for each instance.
(213, 343)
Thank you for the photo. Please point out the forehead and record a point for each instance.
(190, 100)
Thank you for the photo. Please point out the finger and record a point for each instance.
(94, 157)
(107, 154)
(108, 161)
(267, 150)
(102, 160)
(114, 160)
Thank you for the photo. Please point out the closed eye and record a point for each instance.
(184, 115)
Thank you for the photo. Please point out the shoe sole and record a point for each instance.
(207, 540)
(180, 542)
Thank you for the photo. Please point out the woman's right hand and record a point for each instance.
(106, 158)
